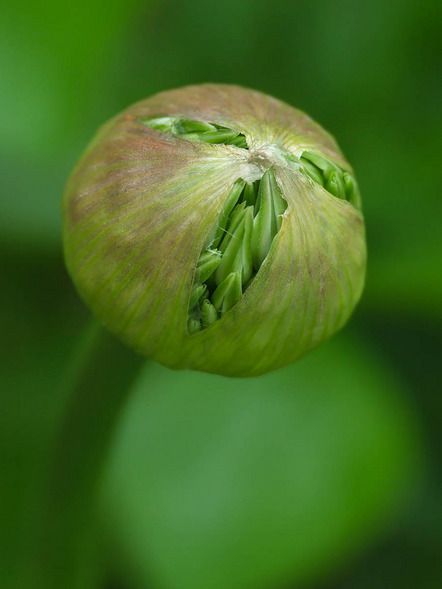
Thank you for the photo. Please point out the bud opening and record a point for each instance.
(236, 248)
(197, 130)
(239, 243)
(333, 178)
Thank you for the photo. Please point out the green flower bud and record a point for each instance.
(216, 228)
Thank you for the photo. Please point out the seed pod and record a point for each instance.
(216, 228)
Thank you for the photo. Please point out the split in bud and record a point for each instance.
(248, 223)
(238, 244)
(197, 130)
(330, 176)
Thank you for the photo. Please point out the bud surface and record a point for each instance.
(216, 228)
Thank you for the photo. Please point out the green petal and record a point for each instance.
(228, 293)
(193, 136)
(208, 313)
(239, 141)
(236, 218)
(341, 185)
(238, 254)
(199, 291)
(335, 184)
(196, 130)
(228, 205)
(266, 223)
(165, 124)
(349, 185)
(194, 127)
(312, 171)
(193, 325)
(331, 183)
(250, 193)
(320, 162)
(207, 264)
(219, 136)
(278, 203)
(351, 190)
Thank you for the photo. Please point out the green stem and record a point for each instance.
(99, 387)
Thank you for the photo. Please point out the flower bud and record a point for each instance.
(216, 228)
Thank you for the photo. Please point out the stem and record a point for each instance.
(98, 389)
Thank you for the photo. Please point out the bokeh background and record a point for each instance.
(326, 474)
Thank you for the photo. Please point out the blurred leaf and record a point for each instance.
(41, 320)
(60, 54)
(249, 483)
(56, 63)
(402, 207)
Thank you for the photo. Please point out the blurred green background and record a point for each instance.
(325, 474)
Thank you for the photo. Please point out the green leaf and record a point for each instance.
(240, 483)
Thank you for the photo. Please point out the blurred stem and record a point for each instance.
(98, 386)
